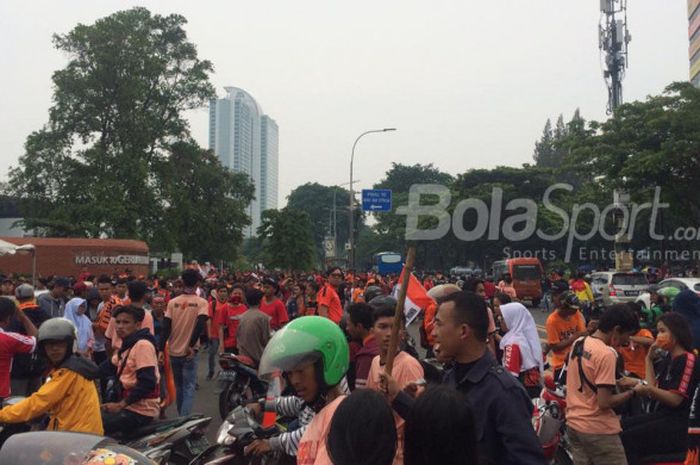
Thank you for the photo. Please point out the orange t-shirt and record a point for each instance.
(183, 311)
(312, 446)
(141, 355)
(116, 341)
(406, 370)
(357, 295)
(560, 329)
(582, 411)
(635, 355)
(328, 297)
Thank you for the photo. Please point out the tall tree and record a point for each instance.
(544, 148)
(205, 204)
(317, 201)
(287, 239)
(118, 108)
(392, 227)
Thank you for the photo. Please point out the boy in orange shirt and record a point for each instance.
(564, 326)
(634, 354)
(406, 369)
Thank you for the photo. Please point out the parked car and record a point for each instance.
(616, 287)
(681, 284)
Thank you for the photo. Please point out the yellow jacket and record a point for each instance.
(69, 398)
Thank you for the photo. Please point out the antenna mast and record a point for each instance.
(614, 39)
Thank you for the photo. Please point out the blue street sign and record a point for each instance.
(376, 200)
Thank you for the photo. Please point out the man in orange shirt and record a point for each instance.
(185, 319)
(564, 326)
(406, 369)
(329, 305)
(137, 367)
(593, 425)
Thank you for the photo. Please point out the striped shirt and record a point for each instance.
(292, 406)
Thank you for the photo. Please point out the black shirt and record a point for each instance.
(679, 375)
(502, 412)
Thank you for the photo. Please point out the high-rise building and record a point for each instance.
(246, 141)
(694, 36)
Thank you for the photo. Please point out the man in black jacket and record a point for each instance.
(502, 410)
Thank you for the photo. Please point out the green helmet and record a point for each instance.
(308, 339)
(669, 292)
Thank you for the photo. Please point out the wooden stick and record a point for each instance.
(400, 303)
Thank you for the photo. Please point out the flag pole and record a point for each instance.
(400, 303)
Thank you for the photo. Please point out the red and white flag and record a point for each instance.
(417, 297)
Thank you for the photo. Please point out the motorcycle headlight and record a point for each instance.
(222, 436)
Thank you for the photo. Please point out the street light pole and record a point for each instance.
(351, 238)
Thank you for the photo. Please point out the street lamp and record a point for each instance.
(351, 251)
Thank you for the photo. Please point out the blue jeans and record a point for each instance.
(185, 374)
(213, 352)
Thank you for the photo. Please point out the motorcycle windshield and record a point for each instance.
(62, 448)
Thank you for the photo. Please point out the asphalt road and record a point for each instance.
(207, 399)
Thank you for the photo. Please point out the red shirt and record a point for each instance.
(328, 297)
(276, 311)
(215, 307)
(229, 315)
(11, 344)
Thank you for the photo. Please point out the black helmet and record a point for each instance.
(371, 292)
(382, 302)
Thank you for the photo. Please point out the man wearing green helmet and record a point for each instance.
(314, 354)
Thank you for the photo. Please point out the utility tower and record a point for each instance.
(614, 39)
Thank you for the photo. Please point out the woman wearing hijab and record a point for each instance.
(522, 351)
(75, 313)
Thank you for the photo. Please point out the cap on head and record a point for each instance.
(569, 300)
(61, 282)
(24, 292)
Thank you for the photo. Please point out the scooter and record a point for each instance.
(239, 430)
(549, 422)
(171, 442)
(240, 383)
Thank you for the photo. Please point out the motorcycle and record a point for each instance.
(549, 422)
(240, 383)
(238, 430)
(166, 442)
(171, 442)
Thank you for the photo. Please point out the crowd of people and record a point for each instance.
(107, 354)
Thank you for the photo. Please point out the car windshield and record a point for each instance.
(526, 272)
(629, 279)
(61, 448)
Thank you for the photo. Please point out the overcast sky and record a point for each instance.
(468, 84)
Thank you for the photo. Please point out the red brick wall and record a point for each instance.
(58, 256)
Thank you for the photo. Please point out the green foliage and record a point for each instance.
(287, 241)
(317, 201)
(117, 142)
(206, 204)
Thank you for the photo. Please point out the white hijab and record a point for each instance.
(523, 332)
